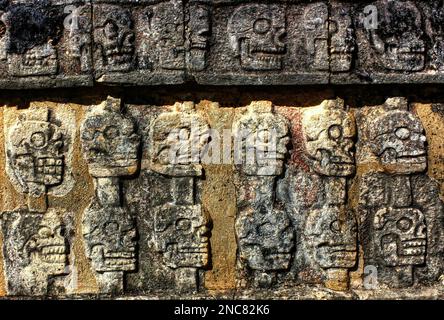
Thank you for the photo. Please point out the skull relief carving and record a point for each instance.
(397, 139)
(109, 141)
(256, 33)
(398, 39)
(110, 235)
(266, 240)
(177, 139)
(167, 31)
(114, 38)
(35, 152)
(316, 30)
(401, 236)
(329, 133)
(48, 246)
(182, 235)
(262, 137)
(198, 33)
(333, 232)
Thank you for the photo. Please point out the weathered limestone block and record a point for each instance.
(174, 226)
(139, 42)
(110, 146)
(35, 238)
(45, 44)
(400, 210)
(314, 193)
(264, 231)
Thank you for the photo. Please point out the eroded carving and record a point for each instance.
(114, 38)
(264, 231)
(398, 40)
(198, 31)
(399, 206)
(181, 227)
(110, 146)
(35, 251)
(166, 24)
(256, 34)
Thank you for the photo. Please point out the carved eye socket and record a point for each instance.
(404, 224)
(184, 134)
(335, 226)
(183, 224)
(38, 139)
(262, 25)
(111, 30)
(111, 132)
(402, 133)
(335, 132)
(45, 232)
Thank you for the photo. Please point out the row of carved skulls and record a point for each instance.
(110, 146)
(256, 34)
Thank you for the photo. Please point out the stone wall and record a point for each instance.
(307, 149)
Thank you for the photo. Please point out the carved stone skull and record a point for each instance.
(262, 137)
(333, 232)
(266, 239)
(109, 141)
(397, 139)
(343, 42)
(48, 247)
(30, 33)
(398, 39)
(167, 31)
(79, 36)
(401, 236)
(181, 234)
(256, 33)
(176, 141)
(114, 38)
(110, 235)
(198, 35)
(35, 152)
(328, 133)
(316, 32)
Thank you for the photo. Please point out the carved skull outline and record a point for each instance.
(167, 32)
(343, 42)
(398, 40)
(401, 236)
(316, 29)
(79, 36)
(329, 132)
(177, 139)
(256, 34)
(114, 38)
(263, 137)
(198, 32)
(48, 248)
(181, 234)
(110, 143)
(397, 139)
(265, 239)
(333, 232)
(110, 234)
(35, 152)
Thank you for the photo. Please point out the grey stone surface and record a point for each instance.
(110, 146)
(42, 45)
(264, 231)
(400, 209)
(150, 42)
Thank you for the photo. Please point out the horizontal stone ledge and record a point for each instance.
(77, 43)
